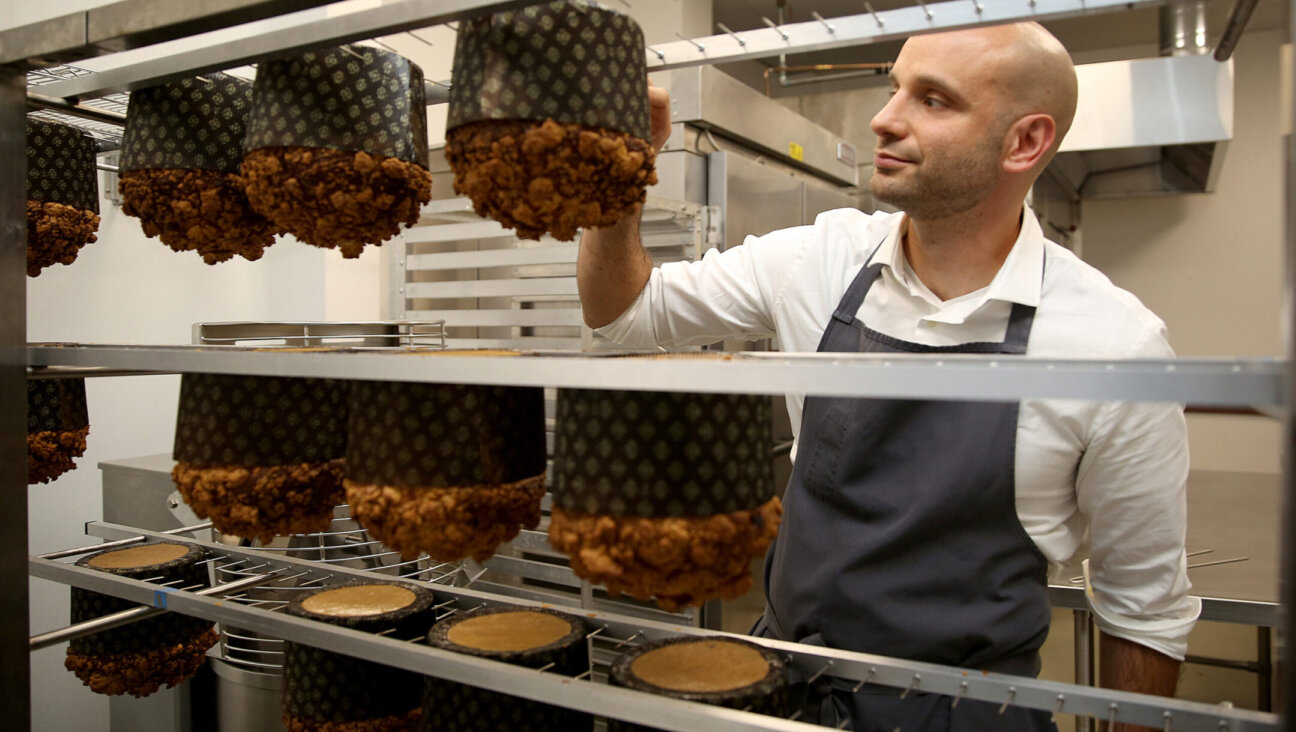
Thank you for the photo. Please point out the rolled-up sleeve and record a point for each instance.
(729, 294)
(1132, 486)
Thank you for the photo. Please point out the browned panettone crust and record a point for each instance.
(196, 210)
(141, 674)
(49, 453)
(679, 562)
(55, 233)
(540, 177)
(265, 502)
(407, 722)
(447, 523)
(335, 198)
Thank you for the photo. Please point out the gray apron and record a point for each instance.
(900, 537)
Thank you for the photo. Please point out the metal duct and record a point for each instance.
(1183, 28)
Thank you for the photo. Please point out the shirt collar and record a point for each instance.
(1019, 279)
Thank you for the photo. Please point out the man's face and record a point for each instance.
(941, 136)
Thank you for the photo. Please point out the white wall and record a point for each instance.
(1211, 265)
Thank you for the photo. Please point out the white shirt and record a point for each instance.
(1116, 468)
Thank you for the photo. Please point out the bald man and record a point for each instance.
(924, 529)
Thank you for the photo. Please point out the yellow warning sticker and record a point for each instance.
(796, 151)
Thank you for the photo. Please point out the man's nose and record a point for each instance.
(888, 122)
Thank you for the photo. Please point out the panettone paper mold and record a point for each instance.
(196, 123)
(322, 687)
(56, 405)
(570, 61)
(146, 635)
(343, 98)
(61, 165)
(661, 454)
(260, 421)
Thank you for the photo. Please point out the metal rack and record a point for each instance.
(520, 294)
(620, 631)
(1252, 383)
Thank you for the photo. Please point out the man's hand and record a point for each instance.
(659, 113)
(1128, 666)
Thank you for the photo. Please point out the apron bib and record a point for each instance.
(900, 537)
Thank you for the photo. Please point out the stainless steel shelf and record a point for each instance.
(335, 23)
(1213, 382)
(865, 28)
(599, 699)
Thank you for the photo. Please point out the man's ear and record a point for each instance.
(1028, 142)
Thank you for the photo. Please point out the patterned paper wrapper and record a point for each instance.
(61, 165)
(193, 123)
(661, 454)
(360, 99)
(261, 456)
(448, 470)
(437, 435)
(322, 688)
(56, 405)
(575, 62)
(259, 421)
(140, 657)
(58, 422)
(767, 696)
(454, 707)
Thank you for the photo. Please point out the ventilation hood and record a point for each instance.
(1147, 127)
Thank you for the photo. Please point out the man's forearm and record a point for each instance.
(611, 269)
(1128, 666)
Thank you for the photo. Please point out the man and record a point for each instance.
(923, 529)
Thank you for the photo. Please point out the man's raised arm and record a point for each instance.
(612, 266)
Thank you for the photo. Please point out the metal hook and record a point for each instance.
(912, 684)
(869, 675)
(815, 14)
(1111, 715)
(547, 666)
(962, 692)
(735, 36)
(637, 634)
(869, 7)
(927, 11)
(1012, 692)
(978, 6)
(351, 51)
(417, 37)
(819, 673)
(660, 56)
(842, 724)
(775, 26)
(701, 48)
(597, 630)
(795, 715)
(1166, 728)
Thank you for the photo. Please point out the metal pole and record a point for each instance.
(1264, 660)
(1084, 666)
(1287, 587)
(132, 615)
(15, 661)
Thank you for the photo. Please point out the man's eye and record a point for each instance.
(932, 102)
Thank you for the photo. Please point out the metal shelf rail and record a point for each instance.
(589, 694)
(130, 23)
(1254, 383)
